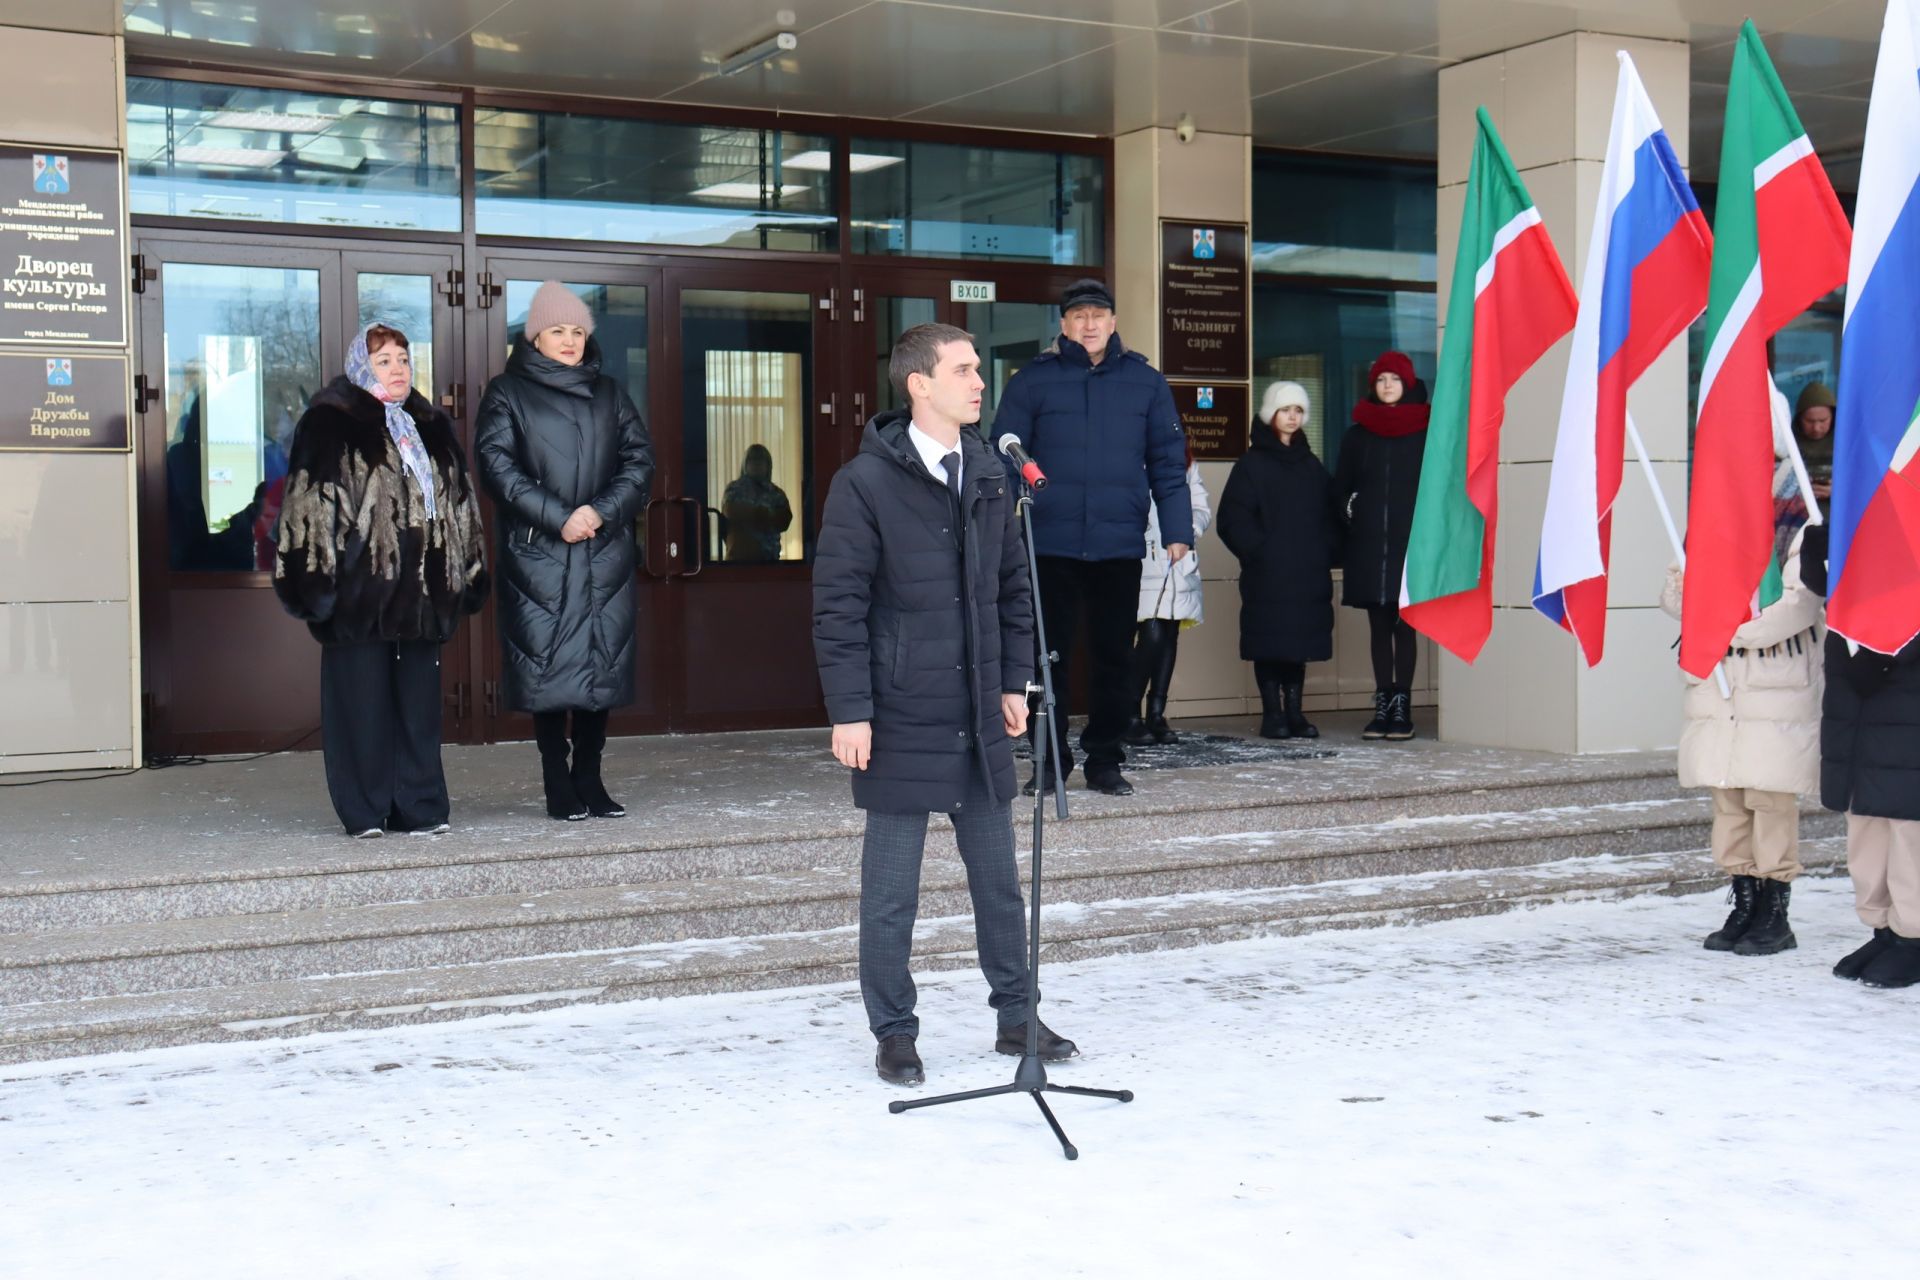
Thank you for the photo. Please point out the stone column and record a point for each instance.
(1553, 104)
(69, 622)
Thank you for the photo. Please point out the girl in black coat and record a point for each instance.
(1374, 487)
(1277, 517)
(379, 551)
(567, 460)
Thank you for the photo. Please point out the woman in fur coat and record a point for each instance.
(380, 553)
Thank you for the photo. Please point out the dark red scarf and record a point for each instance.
(1391, 420)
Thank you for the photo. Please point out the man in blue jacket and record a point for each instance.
(1100, 421)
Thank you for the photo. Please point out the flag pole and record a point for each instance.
(1673, 530)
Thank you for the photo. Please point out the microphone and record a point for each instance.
(1009, 444)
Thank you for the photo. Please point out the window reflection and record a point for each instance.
(242, 359)
(938, 200)
(895, 316)
(1008, 335)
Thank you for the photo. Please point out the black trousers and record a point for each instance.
(380, 734)
(1105, 595)
(890, 901)
(1394, 647)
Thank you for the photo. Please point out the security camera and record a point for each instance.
(1184, 130)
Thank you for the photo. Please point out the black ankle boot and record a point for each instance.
(1377, 727)
(1156, 721)
(1298, 726)
(1273, 713)
(1855, 963)
(1399, 715)
(1137, 734)
(589, 740)
(1744, 894)
(1769, 934)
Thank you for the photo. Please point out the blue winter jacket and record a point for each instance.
(1109, 439)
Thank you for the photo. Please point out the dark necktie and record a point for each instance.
(952, 463)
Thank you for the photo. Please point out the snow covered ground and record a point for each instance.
(1574, 1091)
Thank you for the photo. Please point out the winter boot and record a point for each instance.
(1157, 722)
(1273, 715)
(1897, 965)
(1769, 933)
(1744, 894)
(563, 802)
(1137, 734)
(589, 741)
(1399, 715)
(1377, 727)
(1854, 963)
(1298, 726)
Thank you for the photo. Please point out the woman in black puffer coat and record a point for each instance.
(1277, 517)
(1870, 770)
(567, 460)
(1374, 486)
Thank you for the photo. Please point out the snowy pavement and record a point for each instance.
(1578, 1090)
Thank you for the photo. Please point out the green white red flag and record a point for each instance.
(1780, 242)
(1510, 301)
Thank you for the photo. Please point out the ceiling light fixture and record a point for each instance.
(231, 157)
(755, 54)
(820, 161)
(748, 190)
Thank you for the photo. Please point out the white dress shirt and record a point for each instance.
(933, 453)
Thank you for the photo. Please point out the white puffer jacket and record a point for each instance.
(1167, 589)
(1767, 736)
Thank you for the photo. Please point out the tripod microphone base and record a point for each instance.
(1029, 1078)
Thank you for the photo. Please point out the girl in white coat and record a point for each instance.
(1170, 599)
(1758, 751)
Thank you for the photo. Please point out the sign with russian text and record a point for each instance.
(63, 256)
(63, 401)
(972, 291)
(1204, 296)
(1217, 417)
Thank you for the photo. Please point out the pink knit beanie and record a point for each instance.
(553, 303)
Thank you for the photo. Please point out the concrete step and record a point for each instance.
(537, 858)
(182, 954)
(1074, 930)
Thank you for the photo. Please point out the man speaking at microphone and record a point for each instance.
(1100, 422)
(923, 632)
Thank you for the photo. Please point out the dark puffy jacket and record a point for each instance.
(922, 619)
(1108, 437)
(1380, 476)
(1869, 716)
(358, 558)
(1277, 518)
(553, 438)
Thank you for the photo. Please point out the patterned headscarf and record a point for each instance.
(406, 436)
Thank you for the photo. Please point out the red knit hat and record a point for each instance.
(1394, 362)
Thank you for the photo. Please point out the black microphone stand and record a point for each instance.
(1030, 1077)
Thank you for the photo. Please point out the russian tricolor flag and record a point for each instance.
(1874, 555)
(1645, 282)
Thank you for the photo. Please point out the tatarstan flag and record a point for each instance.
(1510, 301)
(1780, 242)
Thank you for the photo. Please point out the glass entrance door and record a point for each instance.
(235, 339)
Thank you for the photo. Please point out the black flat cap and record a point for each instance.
(1086, 293)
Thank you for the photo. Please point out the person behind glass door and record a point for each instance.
(756, 510)
(1374, 485)
(380, 553)
(1170, 600)
(1277, 517)
(567, 460)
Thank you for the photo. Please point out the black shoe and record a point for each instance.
(1399, 715)
(1377, 727)
(1012, 1041)
(1743, 893)
(593, 794)
(1897, 965)
(1137, 733)
(1163, 734)
(1854, 963)
(1109, 782)
(1298, 726)
(897, 1061)
(1769, 934)
(1273, 711)
(1033, 785)
(563, 802)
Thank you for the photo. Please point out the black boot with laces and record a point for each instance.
(1377, 727)
(1769, 934)
(1742, 893)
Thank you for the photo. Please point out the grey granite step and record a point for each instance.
(271, 1009)
(220, 951)
(542, 857)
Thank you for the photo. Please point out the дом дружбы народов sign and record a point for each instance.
(75, 402)
(63, 259)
